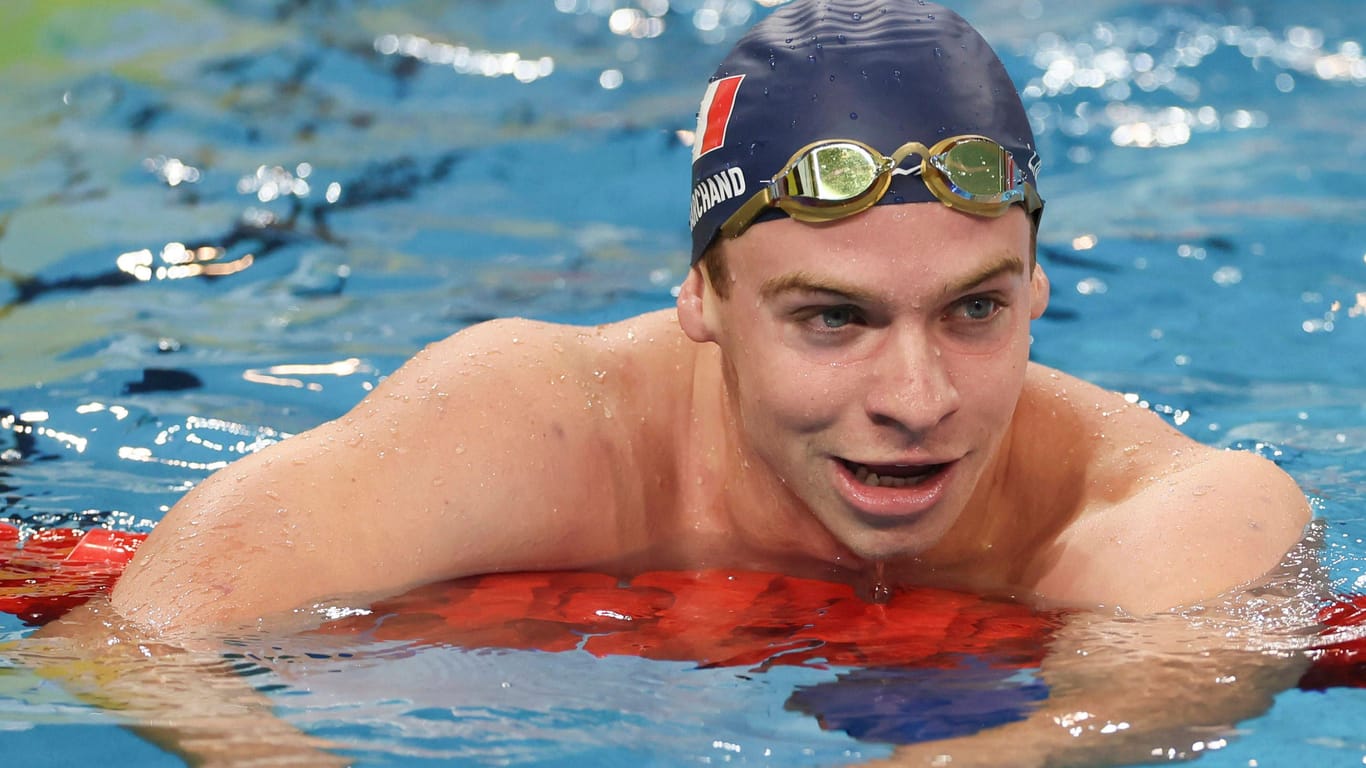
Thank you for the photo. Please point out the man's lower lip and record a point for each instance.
(891, 502)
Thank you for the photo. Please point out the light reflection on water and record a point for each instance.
(333, 186)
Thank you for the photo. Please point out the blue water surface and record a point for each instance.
(222, 223)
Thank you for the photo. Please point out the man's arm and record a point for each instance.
(492, 450)
(188, 701)
(1126, 691)
(483, 453)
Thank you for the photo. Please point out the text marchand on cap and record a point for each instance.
(717, 188)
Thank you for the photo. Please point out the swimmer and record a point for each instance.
(844, 383)
(843, 389)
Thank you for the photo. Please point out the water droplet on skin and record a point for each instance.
(881, 593)
(460, 448)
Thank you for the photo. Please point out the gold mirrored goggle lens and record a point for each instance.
(828, 180)
(974, 170)
(830, 173)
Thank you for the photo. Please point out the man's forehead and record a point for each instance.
(927, 247)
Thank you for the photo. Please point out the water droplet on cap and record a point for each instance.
(853, 115)
(857, 16)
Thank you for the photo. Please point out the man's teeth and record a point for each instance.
(867, 477)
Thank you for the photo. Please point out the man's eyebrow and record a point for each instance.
(805, 282)
(1005, 265)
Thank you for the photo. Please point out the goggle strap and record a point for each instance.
(747, 213)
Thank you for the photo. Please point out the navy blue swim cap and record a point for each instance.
(883, 72)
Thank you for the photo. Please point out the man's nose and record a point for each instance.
(911, 385)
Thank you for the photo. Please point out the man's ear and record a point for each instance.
(1039, 292)
(696, 306)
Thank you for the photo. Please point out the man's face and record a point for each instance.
(875, 362)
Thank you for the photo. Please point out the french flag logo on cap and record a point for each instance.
(714, 115)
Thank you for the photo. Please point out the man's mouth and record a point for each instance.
(893, 475)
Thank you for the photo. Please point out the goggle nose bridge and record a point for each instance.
(906, 150)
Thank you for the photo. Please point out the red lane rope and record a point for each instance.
(724, 618)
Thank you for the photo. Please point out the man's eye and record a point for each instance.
(837, 317)
(980, 308)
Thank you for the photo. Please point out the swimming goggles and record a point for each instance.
(834, 178)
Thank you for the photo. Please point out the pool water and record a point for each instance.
(222, 223)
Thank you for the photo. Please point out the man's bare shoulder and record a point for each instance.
(1162, 519)
(584, 374)
(496, 448)
(538, 350)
